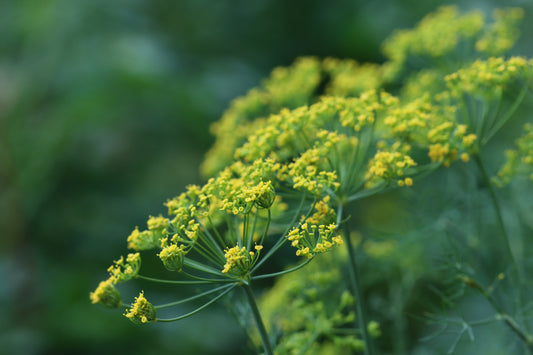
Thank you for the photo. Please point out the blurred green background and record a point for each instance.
(104, 114)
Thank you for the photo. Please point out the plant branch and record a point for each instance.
(355, 283)
(257, 318)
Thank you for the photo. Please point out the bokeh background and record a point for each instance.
(105, 109)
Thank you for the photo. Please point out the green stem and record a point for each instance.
(201, 267)
(257, 318)
(213, 246)
(282, 272)
(250, 237)
(199, 308)
(355, 284)
(501, 315)
(282, 238)
(194, 277)
(497, 208)
(192, 298)
(526, 338)
(507, 115)
(175, 282)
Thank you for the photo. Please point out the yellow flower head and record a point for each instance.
(172, 257)
(141, 311)
(107, 295)
(123, 271)
(143, 240)
(389, 166)
(239, 260)
(313, 239)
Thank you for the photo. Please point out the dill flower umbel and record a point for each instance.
(141, 311)
(149, 239)
(501, 35)
(124, 270)
(239, 260)
(293, 155)
(288, 87)
(313, 239)
(389, 166)
(107, 295)
(349, 78)
(518, 160)
(144, 240)
(488, 78)
(172, 256)
(437, 35)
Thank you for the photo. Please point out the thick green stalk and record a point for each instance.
(355, 284)
(257, 318)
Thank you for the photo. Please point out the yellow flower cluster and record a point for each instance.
(487, 78)
(239, 260)
(311, 305)
(447, 140)
(285, 135)
(388, 166)
(349, 78)
(410, 122)
(307, 172)
(144, 240)
(324, 213)
(519, 160)
(358, 113)
(172, 256)
(107, 295)
(149, 239)
(313, 239)
(420, 85)
(241, 187)
(286, 88)
(240, 196)
(437, 35)
(122, 270)
(502, 34)
(351, 143)
(141, 311)
(311, 157)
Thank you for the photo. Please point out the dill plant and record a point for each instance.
(296, 157)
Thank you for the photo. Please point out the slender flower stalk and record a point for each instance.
(497, 210)
(355, 284)
(257, 318)
(522, 333)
